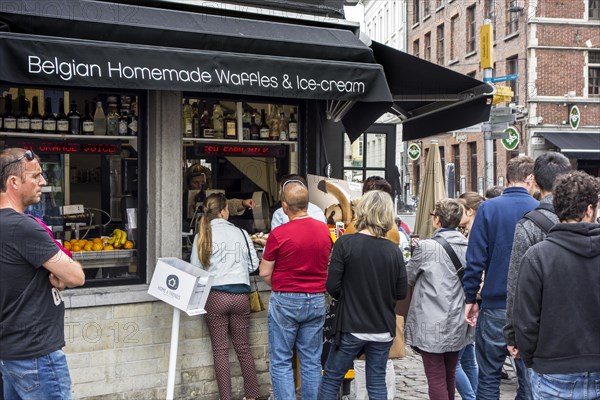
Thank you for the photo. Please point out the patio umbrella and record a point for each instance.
(433, 189)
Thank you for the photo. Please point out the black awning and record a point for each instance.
(87, 43)
(576, 145)
(421, 89)
(135, 24)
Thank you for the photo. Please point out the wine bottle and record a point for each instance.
(62, 122)
(123, 119)
(99, 120)
(74, 119)
(254, 128)
(10, 120)
(23, 120)
(246, 118)
(217, 121)
(292, 127)
(204, 121)
(264, 128)
(48, 119)
(230, 124)
(195, 121)
(274, 124)
(36, 122)
(132, 121)
(186, 115)
(87, 121)
(283, 127)
(112, 118)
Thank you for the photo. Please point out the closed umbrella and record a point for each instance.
(433, 189)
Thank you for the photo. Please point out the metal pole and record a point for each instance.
(173, 354)
(488, 142)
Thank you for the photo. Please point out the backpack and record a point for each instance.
(538, 217)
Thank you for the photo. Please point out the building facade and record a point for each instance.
(554, 51)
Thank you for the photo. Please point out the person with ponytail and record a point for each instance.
(224, 250)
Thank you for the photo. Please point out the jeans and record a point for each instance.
(491, 351)
(341, 359)
(584, 385)
(42, 378)
(467, 373)
(295, 320)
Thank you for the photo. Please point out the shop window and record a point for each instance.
(594, 9)
(512, 67)
(428, 46)
(470, 29)
(594, 73)
(91, 149)
(440, 45)
(239, 148)
(365, 157)
(473, 166)
(512, 17)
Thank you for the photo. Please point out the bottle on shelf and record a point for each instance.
(23, 120)
(246, 121)
(132, 120)
(217, 121)
(292, 127)
(99, 120)
(1, 113)
(195, 121)
(264, 128)
(254, 128)
(205, 121)
(230, 125)
(112, 117)
(186, 115)
(36, 122)
(48, 119)
(124, 119)
(9, 119)
(273, 124)
(283, 127)
(87, 121)
(74, 119)
(62, 121)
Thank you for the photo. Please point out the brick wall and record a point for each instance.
(122, 352)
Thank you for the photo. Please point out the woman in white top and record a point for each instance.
(225, 251)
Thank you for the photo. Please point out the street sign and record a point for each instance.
(503, 78)
(497, 111)
(414, 151)
(486, 47)
(499, 127)
(574, 117)
(512, 142)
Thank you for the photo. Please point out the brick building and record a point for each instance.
(554, 49)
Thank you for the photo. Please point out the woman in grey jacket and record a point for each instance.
(435, 322)
(225, 251)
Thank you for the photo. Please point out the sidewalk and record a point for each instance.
(411, 383)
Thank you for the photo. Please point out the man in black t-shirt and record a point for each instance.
(33, 271)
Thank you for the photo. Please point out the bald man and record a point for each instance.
(295, 265)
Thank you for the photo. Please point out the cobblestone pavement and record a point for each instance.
(411, 383)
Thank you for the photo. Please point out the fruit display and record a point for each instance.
(116, 241)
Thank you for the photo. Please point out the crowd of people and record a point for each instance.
(505, 275)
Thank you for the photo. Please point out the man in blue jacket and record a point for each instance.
(489, 249)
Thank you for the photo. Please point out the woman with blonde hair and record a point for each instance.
(367, 276)
(225, 251)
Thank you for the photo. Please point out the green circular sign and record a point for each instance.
(414, 151)
(574, 117)
(512, 141)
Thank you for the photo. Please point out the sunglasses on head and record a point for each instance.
(286, 183)
(28, 155)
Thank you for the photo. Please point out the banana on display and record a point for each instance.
(118, 238)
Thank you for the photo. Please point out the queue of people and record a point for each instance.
(522, 279)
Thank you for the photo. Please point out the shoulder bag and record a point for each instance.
(256, 303)
(460, 269)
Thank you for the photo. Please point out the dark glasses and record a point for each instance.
(28, 155)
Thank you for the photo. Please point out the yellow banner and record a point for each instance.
(486, 46)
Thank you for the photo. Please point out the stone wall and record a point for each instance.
(122, 352)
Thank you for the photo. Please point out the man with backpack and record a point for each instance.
(532, 229)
